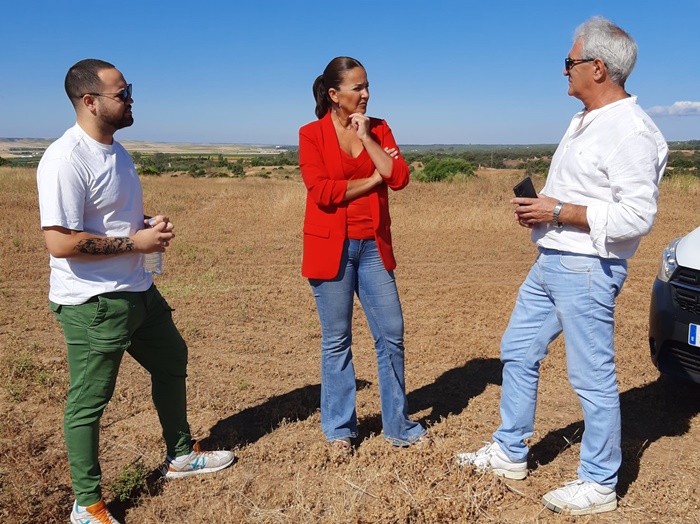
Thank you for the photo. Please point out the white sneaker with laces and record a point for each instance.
(581, 497)
(197, 463)
(95, 514)
(491, 458)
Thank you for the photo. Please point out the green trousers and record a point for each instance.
(97, 335)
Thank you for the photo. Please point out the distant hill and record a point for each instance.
(472, 147)
(24, 147)
(29, 147)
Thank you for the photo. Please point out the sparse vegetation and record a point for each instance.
(444, 168)
(201, 166)
(233, 278)
(148, 171)
(684, 162)
(23, 374)
(130, 482)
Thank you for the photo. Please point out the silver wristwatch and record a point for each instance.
(555, 214)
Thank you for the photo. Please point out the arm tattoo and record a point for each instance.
(105, 246)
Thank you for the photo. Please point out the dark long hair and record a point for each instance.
(331, 78)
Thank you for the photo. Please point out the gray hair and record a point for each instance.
(603, 39)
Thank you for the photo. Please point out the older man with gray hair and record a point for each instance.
(600, 198)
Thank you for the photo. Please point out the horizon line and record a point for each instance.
(295, 146)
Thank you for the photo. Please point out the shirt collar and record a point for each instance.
(590, 116)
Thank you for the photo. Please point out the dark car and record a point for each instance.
(674, 317)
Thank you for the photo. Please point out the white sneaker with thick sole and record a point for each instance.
(197, 463)
(491, 458)
(95, 514)
(581, 497)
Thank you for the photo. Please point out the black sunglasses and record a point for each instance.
(124, 95)
(570, 62)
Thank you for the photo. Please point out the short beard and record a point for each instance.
(127, 121)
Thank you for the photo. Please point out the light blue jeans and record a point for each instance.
(362, 272)
(574, 294)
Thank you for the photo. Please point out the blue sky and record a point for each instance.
(457, 72)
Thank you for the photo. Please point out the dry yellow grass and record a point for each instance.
(233, 276)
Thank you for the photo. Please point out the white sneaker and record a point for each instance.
(491, 458)
(95, 514)
(581, 497)
(197, 463)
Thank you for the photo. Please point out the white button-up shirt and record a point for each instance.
(611, 161)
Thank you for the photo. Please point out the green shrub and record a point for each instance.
(196, 171)
(148, 171)
(535, 166)
(236, 168)
(130, 482)
(443, 168)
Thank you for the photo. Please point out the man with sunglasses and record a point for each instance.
(91, 206)
(599, 199)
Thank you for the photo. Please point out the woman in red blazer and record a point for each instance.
(347, 162)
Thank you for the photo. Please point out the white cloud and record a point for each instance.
(677, 109)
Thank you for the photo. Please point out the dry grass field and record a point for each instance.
(18, 147)
(233, 277)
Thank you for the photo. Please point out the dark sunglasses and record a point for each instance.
(124, 95)
(570, 62)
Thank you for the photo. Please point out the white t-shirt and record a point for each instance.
(610, 160)
(92, 187)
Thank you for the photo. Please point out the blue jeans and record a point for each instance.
(362, 272)
(574, 294)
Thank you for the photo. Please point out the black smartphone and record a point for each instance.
(525, 189)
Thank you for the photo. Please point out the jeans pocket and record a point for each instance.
(577, 263)
(619, 275)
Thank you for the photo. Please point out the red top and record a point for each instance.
(359, 209)
(326, 218)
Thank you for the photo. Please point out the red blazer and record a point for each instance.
(325, 222)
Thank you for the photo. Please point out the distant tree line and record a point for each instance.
(688, 145)
(20, 162)
(427, 163)
(207, 165)
(431, 165)
(680, 162)
(497, 157)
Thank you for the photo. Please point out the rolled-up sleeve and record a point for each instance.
(633, 173)
(323, 190)
(400, 174)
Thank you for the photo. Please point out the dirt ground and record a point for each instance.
(233, 277)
